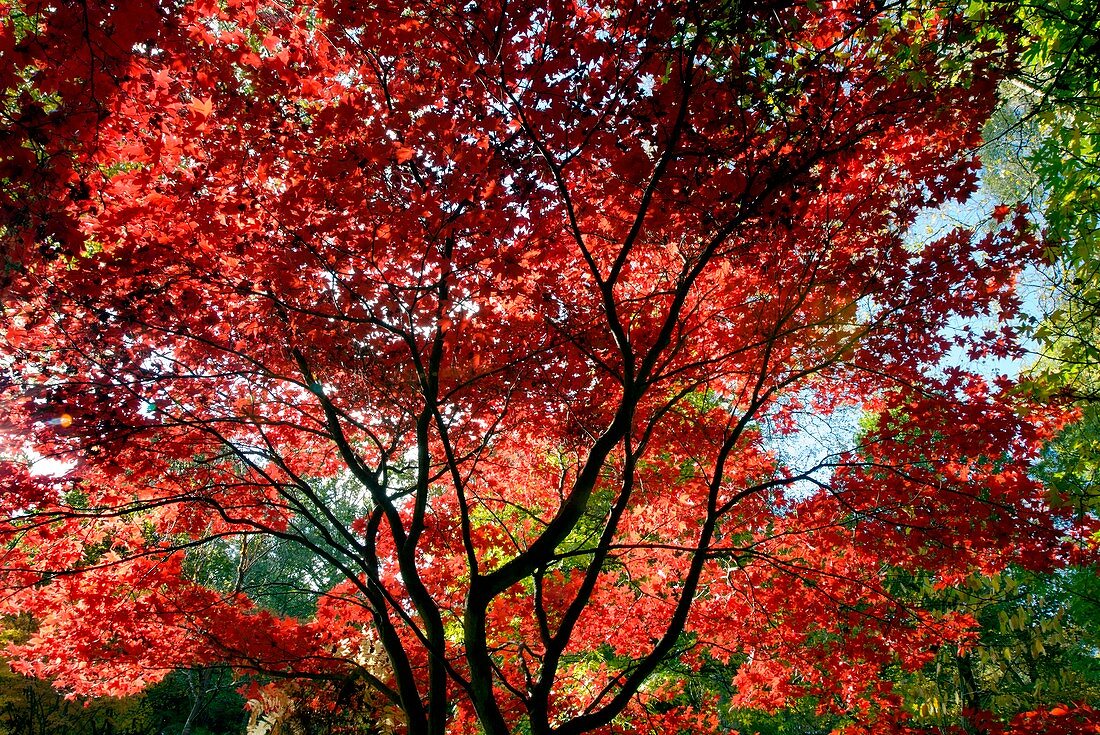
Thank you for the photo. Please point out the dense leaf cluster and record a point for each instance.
(521, 367)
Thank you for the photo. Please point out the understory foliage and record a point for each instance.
(511, 367)
(188, 702)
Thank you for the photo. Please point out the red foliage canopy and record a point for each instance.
(523, 320)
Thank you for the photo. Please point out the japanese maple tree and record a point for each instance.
(507, 318)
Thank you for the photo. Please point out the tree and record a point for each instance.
(1064, 73)
(175, 705)
(1033, 643)
(1032, 650)
(1046, 138)
(517, 318)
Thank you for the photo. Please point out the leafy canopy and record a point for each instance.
(515, 320)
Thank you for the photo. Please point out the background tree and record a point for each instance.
(1065, 72)
(33, 707)
(512, 316)
(1033, 651)
(1045, 148)
(1033, 646)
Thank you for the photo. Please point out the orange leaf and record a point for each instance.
(204, 107)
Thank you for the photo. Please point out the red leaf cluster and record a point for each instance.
(543, 331)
